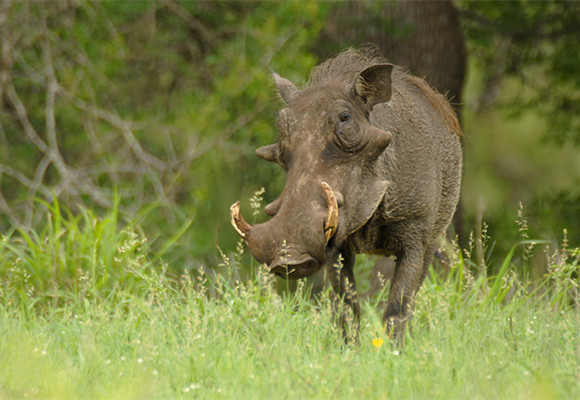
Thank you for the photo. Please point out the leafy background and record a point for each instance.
(154, 108)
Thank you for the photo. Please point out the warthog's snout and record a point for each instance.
(292, 245)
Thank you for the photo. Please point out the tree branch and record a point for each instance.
(208, 40)
(123, 126)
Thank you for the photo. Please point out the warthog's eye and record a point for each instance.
(345, 116)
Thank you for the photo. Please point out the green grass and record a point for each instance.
(88, 310)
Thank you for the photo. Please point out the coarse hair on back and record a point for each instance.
(346, 65)
(439, 103)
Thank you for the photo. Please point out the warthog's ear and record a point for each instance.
(288, 91)
(373, 85)
(270, 153)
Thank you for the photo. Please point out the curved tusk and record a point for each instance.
(238, 222)
(331, 220)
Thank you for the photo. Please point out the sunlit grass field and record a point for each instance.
(88, 309)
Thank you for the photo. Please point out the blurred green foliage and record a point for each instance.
(536, 41)
(522, 120)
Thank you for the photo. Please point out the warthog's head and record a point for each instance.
(329, 150)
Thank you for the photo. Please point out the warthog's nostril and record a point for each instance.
(297, 268)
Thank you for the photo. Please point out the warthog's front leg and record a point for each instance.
(412, 266)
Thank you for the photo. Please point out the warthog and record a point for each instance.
(373, 162)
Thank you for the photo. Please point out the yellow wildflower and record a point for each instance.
(377, 342)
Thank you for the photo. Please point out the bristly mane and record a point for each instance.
(439, 103)
(345, 67)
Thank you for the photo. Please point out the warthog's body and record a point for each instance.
(387, 148)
